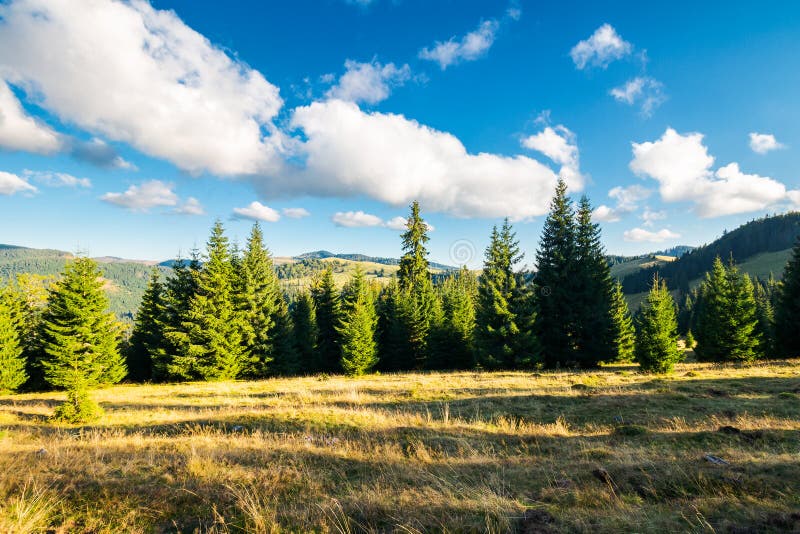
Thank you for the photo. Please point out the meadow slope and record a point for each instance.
(595, 451)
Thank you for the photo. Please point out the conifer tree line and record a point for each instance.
(222, 315)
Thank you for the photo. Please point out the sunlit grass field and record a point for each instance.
(707, 449)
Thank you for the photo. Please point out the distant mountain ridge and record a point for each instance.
(323, 254)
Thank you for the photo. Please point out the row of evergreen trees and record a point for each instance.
(226, 317)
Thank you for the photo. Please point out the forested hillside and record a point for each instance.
(759, 247)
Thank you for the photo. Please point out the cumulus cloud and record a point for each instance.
(640, 235)
(627, 198)
(295, 213)
(651, 216)
(355, 219)
(19, 131)
(57, 179)
(162, 87)
(11, 184)
(256, 211)
(601, 48)
(192, 206)
(145, 196)
(763, 143)
(642, 91)
(683, 167)
(469, 48)
(99, 153)
(558, 144)
(397, 223)
(368, 82)
(396, 160)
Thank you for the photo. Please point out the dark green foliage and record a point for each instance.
(180, 289)
(304, 317)
(500, 341)
(258, 296)
(416, 293)
(787, 311)
(327, 305)
(357, 328)
(657, 331)
(765, 313)
(392, 329)
(595, 329)
(282, 339)
(455, 340)
(554, 283)
(625, 335)
(210, 343)
(690, 341)
(147, 341)
(727, 323)
(12, 361)
(80, 336)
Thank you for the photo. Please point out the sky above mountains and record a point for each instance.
(126, 128)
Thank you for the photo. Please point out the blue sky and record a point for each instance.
(127, 128)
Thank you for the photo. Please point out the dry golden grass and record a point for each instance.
(601, 451)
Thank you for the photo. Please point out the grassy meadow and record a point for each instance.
(707, 449)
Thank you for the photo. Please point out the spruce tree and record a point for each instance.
(147, 341)
(392, 328)
(787, 310)
(554, 284)
(28, 300)
(624, 333)
(211, 348)
(727, 324)
(656, 348)
(459, 293)
(357, 327)
(327, 305)
(304, 318)
(257, 292)
(595, 330)
(500, 341)
(180, 289)
(416, 287)
(765, 313)
(12, 360)
(80, 340)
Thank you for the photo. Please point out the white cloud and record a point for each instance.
(469, 48)
(192, 206)
(682, 166)
(559, 145)
(601, 48)
(627, 198)
(641, 235)
(98, 152)
(355, 219)
(396, 223)
(396, 160)
(763, 143)
(650, 216)
(295, 213)
(142, 197)
(58, 179)
(643, 91)
(369, 82)
(18, 130)
(606, 214)
(161, 87)
(257, 211)
(11, 184)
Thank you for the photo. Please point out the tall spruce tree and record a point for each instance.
(787, 310)
(80, 340)
(304, 318)
(357, 327)
(211, 348)
(179, 291)
(765, 313)
(657, 331)
(257, 293)
(392, 328)
(499, 340)
(624, 333)
(12, 360)
(457, 345)
(595, 335)
(147, 341)
(327, 305)
(727, 324)
(416, 287)
(554, 283)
